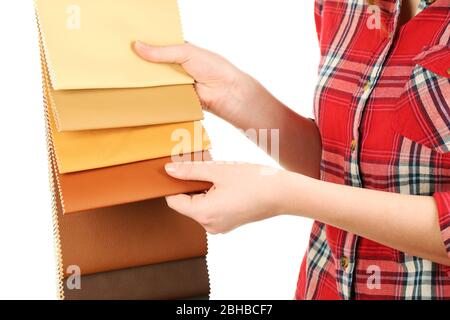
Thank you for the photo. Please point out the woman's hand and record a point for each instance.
(241, 193)
(241, 100)
(220, 85)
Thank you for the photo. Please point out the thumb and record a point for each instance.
(178, 54)
(197, 171)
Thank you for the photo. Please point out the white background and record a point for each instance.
(274, 40)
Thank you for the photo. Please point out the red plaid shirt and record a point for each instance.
(383, 109)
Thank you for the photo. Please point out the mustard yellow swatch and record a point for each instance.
(114, 108)
(85, 150)
(88, 42)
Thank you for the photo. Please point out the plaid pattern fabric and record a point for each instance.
(418, 170)
(427, 97)
(382, 107)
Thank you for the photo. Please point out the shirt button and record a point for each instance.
(448, 71)
(367, 86)
(353, 146)
(344, 263)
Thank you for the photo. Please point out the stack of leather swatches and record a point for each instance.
(114, 121)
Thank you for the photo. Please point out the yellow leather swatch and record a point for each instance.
(84, 150)
(114, 108)
(88, 43)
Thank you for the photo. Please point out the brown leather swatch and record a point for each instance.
(124, 184)
(173, 280)
(125, 236)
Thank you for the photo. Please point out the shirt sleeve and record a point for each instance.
(318, 8)
(443, 205)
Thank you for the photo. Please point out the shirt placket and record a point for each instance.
(368, 82)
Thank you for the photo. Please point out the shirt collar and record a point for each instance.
(424, 4)
(393, 6)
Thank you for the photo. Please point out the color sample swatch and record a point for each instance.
(185, 279)
(126, 236)
(124, 184)
(76, 110)
(125, 145)
(88, 43)
(113, 122)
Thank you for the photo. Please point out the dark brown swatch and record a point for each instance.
(173, 280)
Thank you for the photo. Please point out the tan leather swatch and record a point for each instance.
(76, 110)
(88, 43)
(124, 184)
(125, 236)
(186, 279)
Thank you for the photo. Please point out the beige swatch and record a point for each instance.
(88, 43)
(115, 108)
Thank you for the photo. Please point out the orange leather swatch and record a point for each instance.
(76, 110)
(125, 236)
(124, 184)
(185, 279)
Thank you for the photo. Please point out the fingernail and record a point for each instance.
(170, 168)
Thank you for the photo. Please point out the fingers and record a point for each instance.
(178, 54)
(197, 171)
(196, 206)
(189, 206)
